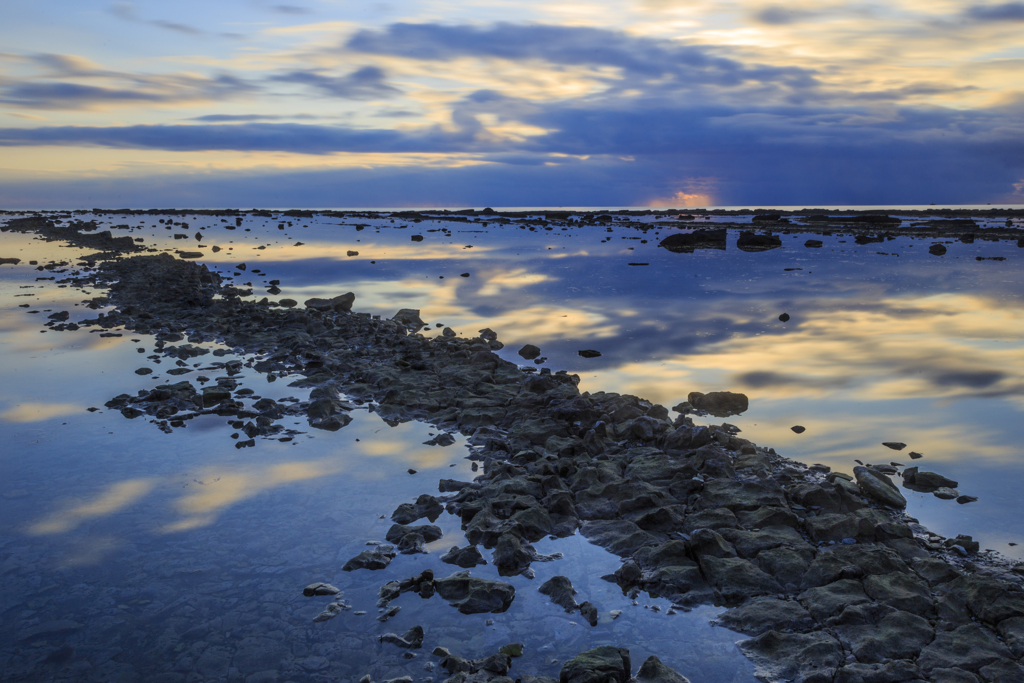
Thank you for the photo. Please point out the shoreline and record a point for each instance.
(697, 514)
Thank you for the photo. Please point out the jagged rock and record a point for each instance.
(968, 647)
(332, 610)
(879, 487)
(410, 539)
(561, 592)
(339, 303)
(876, 633)
(529, 352)
(811, 657)
(825, 601)
(466, 558)
(319, 589)
(425, 506)
(472, 595)
(653, 671)
(510, 556)
(589, 612)
(605, 664)
(759, 615)
(412, 639)
(377, 557)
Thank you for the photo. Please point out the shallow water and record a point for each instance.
(180, 553)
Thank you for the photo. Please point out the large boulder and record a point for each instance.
(719, 403)
(879, 487)
(471, 595)
(605, 664)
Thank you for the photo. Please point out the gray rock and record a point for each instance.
(877, 633)
(510, 555)
(589, 612)
(411, 639)
(339, 303)
(653, 671)
(425, 506)
(719, 403)
(605, 664)
(377, 557)
(899, 671)
(319, 589)
(332, 610)
(737, 579)
(529, 352)
(902, 591)
(409, 317)
(825, 601)
(410, 539)
(561, 592)
(467, 557)
(471, 595)
(969, 647)
(620, 537)
(879, 487)
(758, 615)
(794, 656)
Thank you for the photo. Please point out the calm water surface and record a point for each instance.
(129, 554)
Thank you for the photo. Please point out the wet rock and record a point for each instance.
(798, 429)
(589, 612)
(934, 570)
(512, 650)
(375, 558)
(466, 558)
(809, 658)
(736, 579)
(937, 249)
(686, 243)
(510, 556)
(425, 506)
(879, 487)
(826, 601)
(332, 610)
(49, 629)
(589, 353)
(878, 633)
(411, 639)
(758, 615)
(410, 318)
(898, 671)
(605, 664)
(620, 537)
(926, 481)
(895, 445)
(813, 244)
(471, 595)
(719, 403)
(9, 261)
(410, 539)
(968, 647)
(749, 241)
(319, 589)
(529, 352)
(561, 592)
(653, 671)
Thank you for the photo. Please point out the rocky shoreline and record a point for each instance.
(830, 577)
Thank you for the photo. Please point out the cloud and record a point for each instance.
(1009, 11)
(127, 12)
(572, 45)
(362, 84)
(171, 89)
(293, 10)
(241, 118)
(779, 15)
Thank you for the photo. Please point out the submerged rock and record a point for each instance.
(471, 595)
(561, 592)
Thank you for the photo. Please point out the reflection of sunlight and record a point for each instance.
(38, 412)
(498, 282)
(116, 497)
(91, 551)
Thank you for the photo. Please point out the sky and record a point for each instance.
(431, 103)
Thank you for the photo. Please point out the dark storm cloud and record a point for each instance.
(1009, 11)
(575, 46)
(363, 84)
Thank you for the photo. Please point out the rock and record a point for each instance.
(749, 241)
(963, 500)
(758, 615)
(510, 556)
(338, 304)
(719, 403)
(653, 671)
(9, 261)
(410, 539)
(471, 595)
(561, 592)
(798, 429)
(813, 244)
(425, 506)
(589, 353)
(589, 612)
(144, 371)
(895, 445)
(878, 633)
(926, 481)
(968, 647)
(737, 579)
(937, 249)
(332, 610)
(605, 664)
(411, 639)
(826, 601)
(879, 487)
(529, 352)
(784, 317)
(319, 589)
(378, 557)
(619, 536)
(466, 558)
(945, 493)
(409, 317)
(686, 243)
(794, 656)
(512, 650)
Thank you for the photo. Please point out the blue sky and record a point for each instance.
(431, 103)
